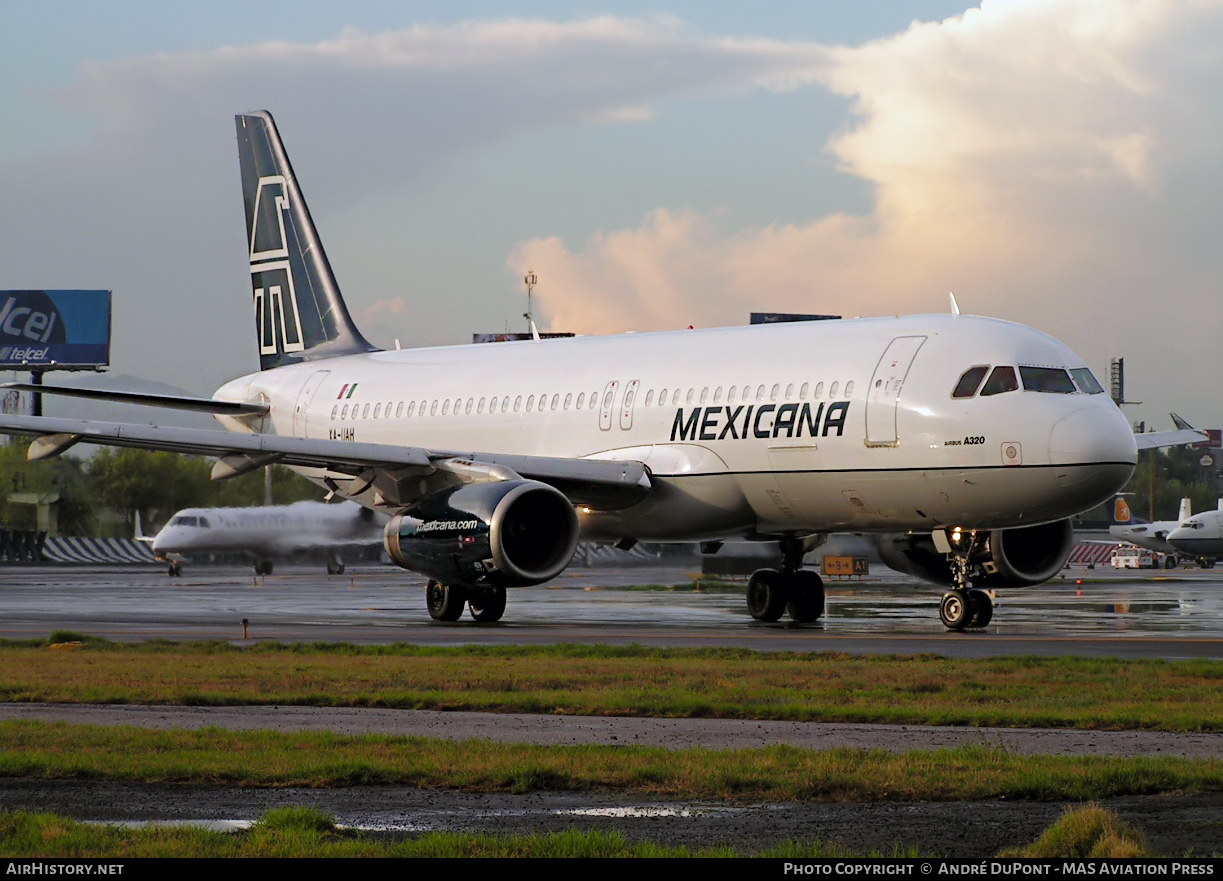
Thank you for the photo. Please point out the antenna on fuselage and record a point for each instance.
(955, 307)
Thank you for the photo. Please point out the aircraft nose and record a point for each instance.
(1096, 448)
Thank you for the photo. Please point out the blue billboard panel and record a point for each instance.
(48, 330)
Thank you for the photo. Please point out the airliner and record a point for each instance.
(969, 442)
(1153, 536)
(267, 534)
(1200, 536)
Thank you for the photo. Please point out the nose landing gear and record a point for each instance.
(962, 607)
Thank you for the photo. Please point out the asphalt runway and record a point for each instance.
(1110, 614)
(1123, 614)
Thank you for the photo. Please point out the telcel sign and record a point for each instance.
(54, 330)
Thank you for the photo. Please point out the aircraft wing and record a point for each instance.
(394, 471)
(1155, 439)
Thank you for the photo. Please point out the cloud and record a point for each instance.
(149, 207)
(1039, 158)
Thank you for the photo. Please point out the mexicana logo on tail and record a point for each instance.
(277, 318)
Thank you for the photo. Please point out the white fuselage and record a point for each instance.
(273, 532)
(1200, 536)
(788, 428)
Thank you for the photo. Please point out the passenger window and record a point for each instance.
(581, 400)
(365, 412)
(717, 395)
(399, 409)
(411, 408)
(569, 399)
(1052, 380)
(849, 389)
(802, 392)
(377, 409)
(832, 389)
(1086, 381)
(649, 399)
(333, 410)
(970, 381)
(662, 398)
(819, 390)
(775, 391)
(1001, 380)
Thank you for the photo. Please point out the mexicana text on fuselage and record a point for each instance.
(759, 421)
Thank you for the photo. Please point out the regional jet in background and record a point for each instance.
(1200, 536)
(970, 441)
(1153, 536)
(268, 534)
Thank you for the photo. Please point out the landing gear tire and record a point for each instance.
(982, 608)
(956, 609)
(175, 570)
(806, 602)
(263, 567)
(487, 605)
(1170, 562)
(445, 601)
(335, 568)
(766, 595)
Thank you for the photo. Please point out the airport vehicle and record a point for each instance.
(269, 533)
(1135, 557)
(1152, 536)
(969, 441)
(1201, 537)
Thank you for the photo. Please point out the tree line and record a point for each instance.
(100, 494)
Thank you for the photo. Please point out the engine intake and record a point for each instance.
(1007, 558)
(512, 533)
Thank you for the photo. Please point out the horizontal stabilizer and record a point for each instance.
(172, 402)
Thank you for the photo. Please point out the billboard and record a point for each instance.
(507, 337)
(54, 330)
(784, 317)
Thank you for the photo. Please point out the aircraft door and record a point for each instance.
(605, 406)
(626, 406)
(883, 395)
(302, 407)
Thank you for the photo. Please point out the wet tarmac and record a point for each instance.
(1126, 614)
(1166, 615)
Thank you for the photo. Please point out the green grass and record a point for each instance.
(1087, 831)
(37, 750)
(628, 680)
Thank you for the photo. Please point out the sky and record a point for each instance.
(1051, 162)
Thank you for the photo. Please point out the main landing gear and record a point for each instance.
(795, 590)
(961, 606)
(446, 601)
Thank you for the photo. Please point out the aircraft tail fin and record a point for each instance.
(299, 313)
(1121, 511)
(1186, 510)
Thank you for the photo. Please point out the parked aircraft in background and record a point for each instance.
(1200, 536)
(970, 441)
(268, 534)
(1152, 536)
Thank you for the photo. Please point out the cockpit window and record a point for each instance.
(1053, 380)
(969, 382)
(184, 520)
(1086, 381)
(1001, 380)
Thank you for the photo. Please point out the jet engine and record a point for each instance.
(511, 533)
(1006, 558)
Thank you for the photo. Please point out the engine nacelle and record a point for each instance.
(511, 533)
(1007, 558)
